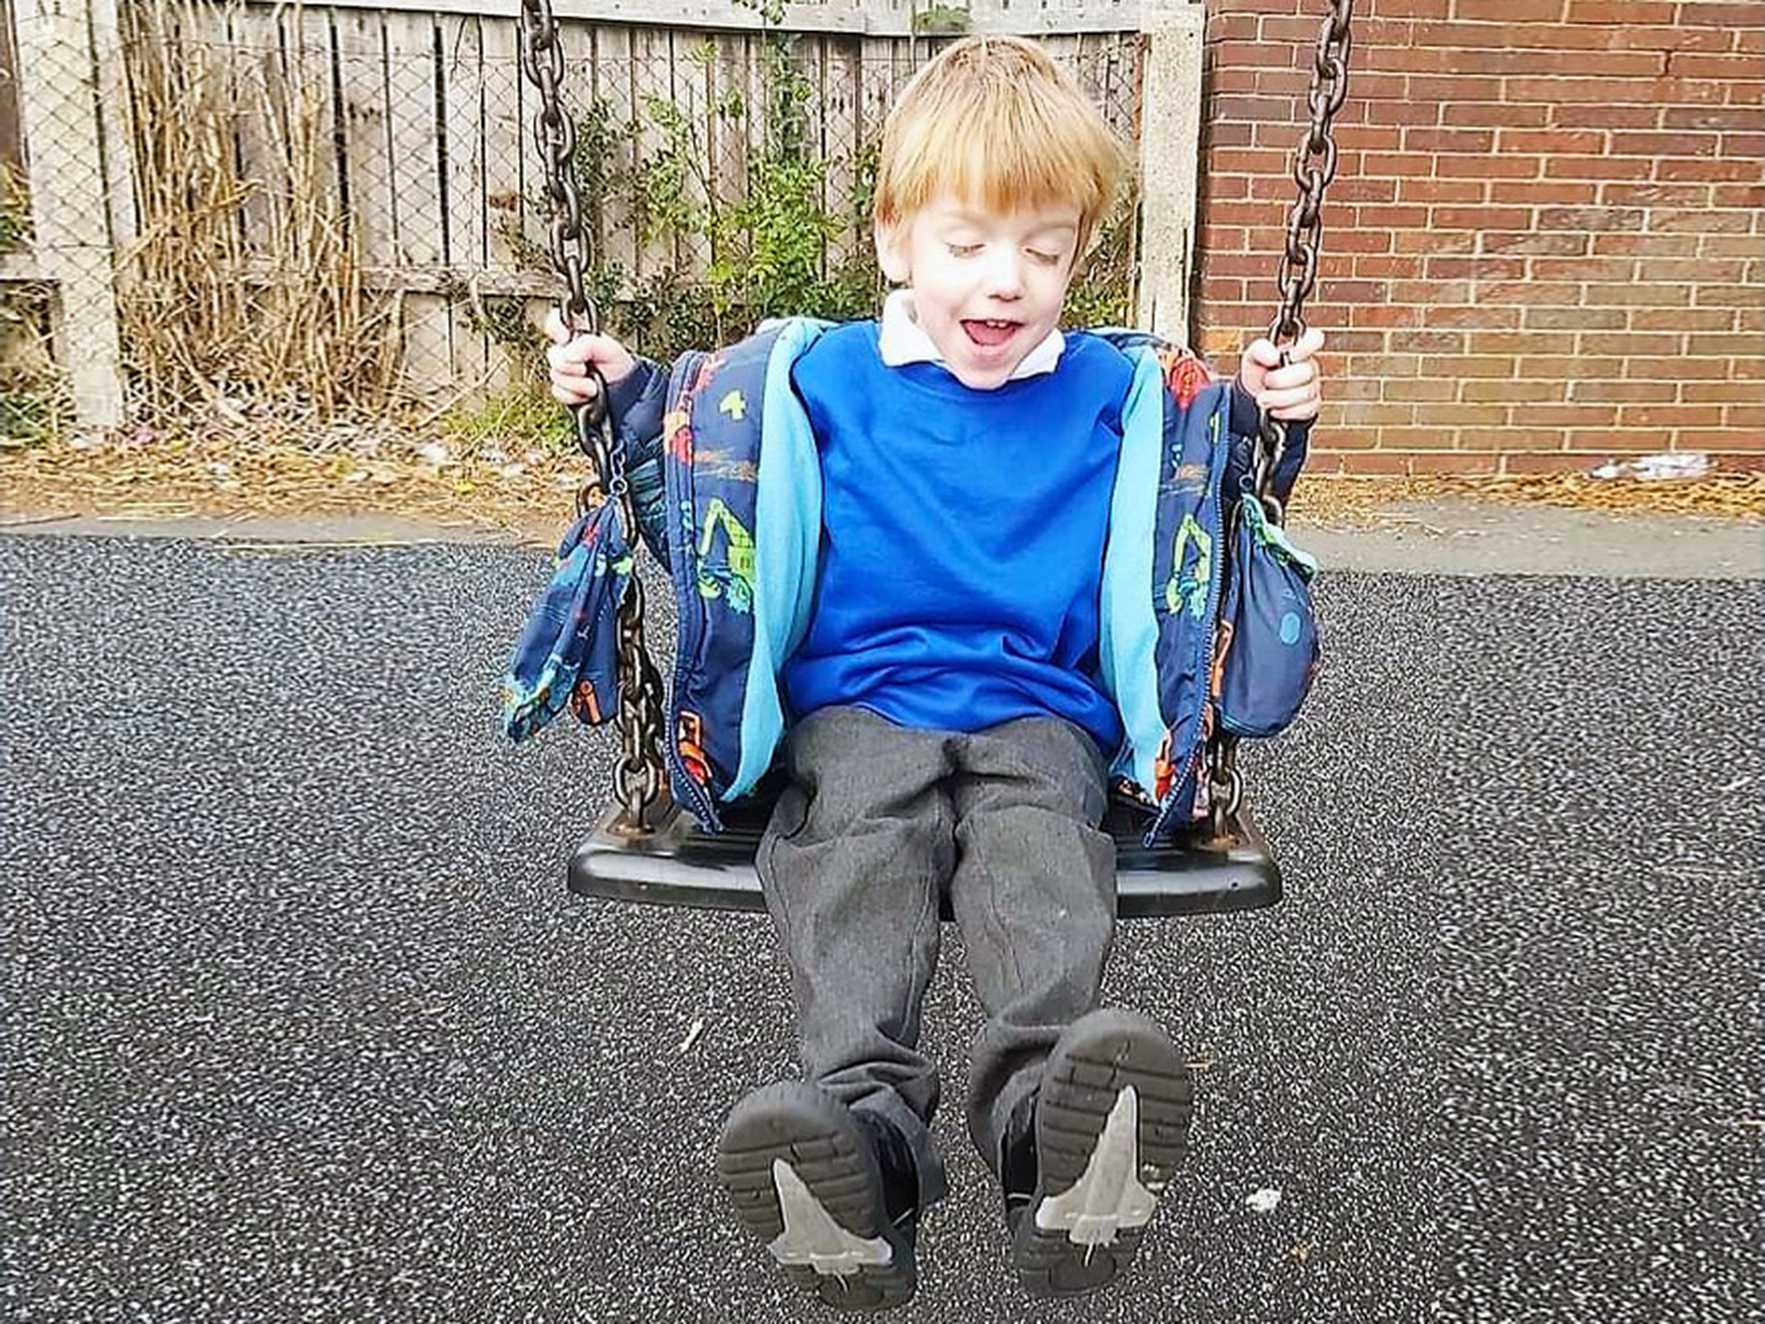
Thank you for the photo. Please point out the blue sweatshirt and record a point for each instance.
(963, 536)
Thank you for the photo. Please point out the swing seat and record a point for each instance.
(681, 865)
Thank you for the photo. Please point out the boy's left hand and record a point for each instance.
(1289, 393)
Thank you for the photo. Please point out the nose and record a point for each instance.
(1005, 274)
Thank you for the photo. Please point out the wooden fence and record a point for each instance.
(434, 164)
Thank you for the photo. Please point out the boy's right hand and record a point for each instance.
(570, 355)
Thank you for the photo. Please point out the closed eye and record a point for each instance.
(963, 250)
(1047, 259)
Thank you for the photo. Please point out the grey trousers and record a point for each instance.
(877, 821)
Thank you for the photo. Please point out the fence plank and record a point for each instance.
(263, 160)
(462, 74)
(367, 136)
(310, 59)
(417, 192)
(503, 128)
(613, 87)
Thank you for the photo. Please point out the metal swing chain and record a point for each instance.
(640, 787)
(1314, 166)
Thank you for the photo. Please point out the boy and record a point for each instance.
(952, 731)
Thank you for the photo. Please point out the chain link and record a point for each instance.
(1314, 166)
(639, 784)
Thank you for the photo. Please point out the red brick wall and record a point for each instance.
(1544, 246)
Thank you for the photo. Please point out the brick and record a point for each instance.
(1451, 462)
(1709, 172)
(1471, 316)
(1510, 11)
(1748, 15)
(1385, 365)
(1544, 193)
(1573, 415)
(1655, 195)
(1514, 342)
(1386, 315)
(1378, 267)
(1571, 116)
(1582, 218)
(1674, 39)
(1242, 53)
(1373, 415)
(1432, 242)
(1629, 344)
(1485, 167)
(1569, 367)
(1702, 270)
(1746, 416)
(1425, 389)
(1495, 218)
(1413, 164)
(1430, 292)
(1255, 110)
(1658, 13)
(1269, 81)
(1610, 441)
(1693, 64)
(1682, 319)
(1489, 114)
(1646, 294)
(1657, 368)
(1557, 244)
(1666, 221)
(1576, 319)
(1363, 464)
(1509, 438)
(1664, 144)
(1550, 141)
(1709, 117)
(1751, 197)
(1598, 167)
(1584, 268)
(1476, 268)
(1239, 160)
(1669, 416)
(1516, 391)
(1628, 392)
(1485, 366)
(1401, 112)
(1743, 144)
(1450, 140)
(1413, 438)
(1437, 190)
(1427, 342)
(1647, 245)
(1528, 292)
(1227, 133)
(1616, 91)
(1352, 137)
(1475, 416)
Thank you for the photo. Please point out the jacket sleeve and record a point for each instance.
(636, 403)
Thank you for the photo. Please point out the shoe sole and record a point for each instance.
(1112, 1124)
(804, 1179)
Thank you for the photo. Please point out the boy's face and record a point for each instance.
(987, 287)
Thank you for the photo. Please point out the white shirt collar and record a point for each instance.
(903, 341)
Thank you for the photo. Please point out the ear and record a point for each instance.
(891, 253)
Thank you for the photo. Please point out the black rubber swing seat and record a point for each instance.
(681, 865)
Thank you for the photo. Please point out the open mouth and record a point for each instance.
(990, 334)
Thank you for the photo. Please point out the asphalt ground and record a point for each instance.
(300, 1023)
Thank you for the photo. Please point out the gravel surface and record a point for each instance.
(300, 1023)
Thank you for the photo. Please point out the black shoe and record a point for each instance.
(1109, 1126)
(832, 1192)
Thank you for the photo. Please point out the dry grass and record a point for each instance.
(297, 470)
(242, 293)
